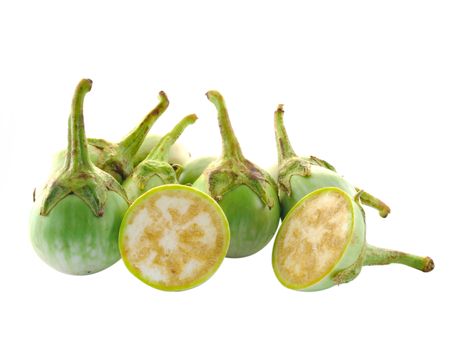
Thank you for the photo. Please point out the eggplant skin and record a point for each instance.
(252, 223)
(193, 170)
(71, 239)
(302, 185)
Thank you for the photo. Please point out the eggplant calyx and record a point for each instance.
(226, 174)
(233, 169)
(322, 163)
(351, 272)
(117, 158)
(289, 167)
(79, 176)
(111, 159)
(156, 162)
(90, 185)
(149, 168)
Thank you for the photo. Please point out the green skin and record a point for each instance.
(302, 185)
(155, 169)
(75, 220)
(298, 176)
(252, 224)
(246, 193)
(357, 252)
(250, 238)
(118, 159)
(73, 240)
(193, 170)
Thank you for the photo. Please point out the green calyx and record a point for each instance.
(79, 176)
(233, 170)
(117, 158)
(156, 163)
(290, 165)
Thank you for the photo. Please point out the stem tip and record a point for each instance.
(429, 265)
(214, 96)
(85, 84)
(162, 96)
(191, 117)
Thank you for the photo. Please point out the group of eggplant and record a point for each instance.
(75, 223)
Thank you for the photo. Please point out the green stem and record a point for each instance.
(374, 202)
(132, 142)
(230, 146)
(284, 147)
(161, 150)
(380, 256)
(78, 156)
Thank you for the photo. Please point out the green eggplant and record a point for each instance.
(322, 243)
(117, 159)
(155, 170)
(75, 220)
(298, 176)
(246, 193)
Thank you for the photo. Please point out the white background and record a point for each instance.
(374, 87)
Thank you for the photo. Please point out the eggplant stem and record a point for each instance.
(374, 202)
(230, 146)
(284, 147)
(380, 256)
(161, 150)
(132, 142)
(77, 157)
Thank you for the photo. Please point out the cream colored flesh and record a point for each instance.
(313, 239)
(174, 238)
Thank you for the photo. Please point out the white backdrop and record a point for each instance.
(376, 88)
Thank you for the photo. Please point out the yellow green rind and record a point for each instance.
(147, 195)
(351, 252)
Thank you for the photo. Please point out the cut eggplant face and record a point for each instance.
(309, 245)
(174, 237)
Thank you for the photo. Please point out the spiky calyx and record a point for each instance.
(156, 162)
(79, 176)
(150, 168)
(225, 174)
(233, 170)
(290, 165)
(117, 159)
